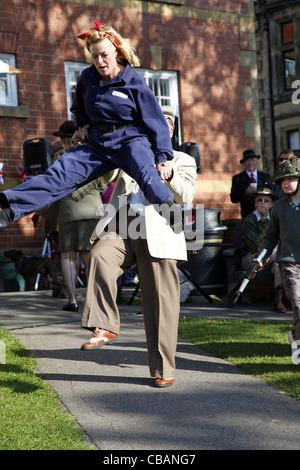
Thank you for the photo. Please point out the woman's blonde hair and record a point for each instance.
(125, 52)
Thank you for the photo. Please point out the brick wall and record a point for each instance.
(208, 42)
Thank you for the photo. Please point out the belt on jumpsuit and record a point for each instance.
(109, 127)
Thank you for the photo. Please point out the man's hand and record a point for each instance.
(81, 134)
(251, 189)
(165, 170)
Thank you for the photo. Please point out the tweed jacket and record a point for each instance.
(162, 241)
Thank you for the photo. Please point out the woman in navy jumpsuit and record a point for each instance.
(125, 127)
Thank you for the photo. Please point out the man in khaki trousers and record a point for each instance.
(134, 233)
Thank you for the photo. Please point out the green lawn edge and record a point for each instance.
(32, 416)
(259, 348)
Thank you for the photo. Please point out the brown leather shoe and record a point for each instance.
(99, 338)
(163, 382)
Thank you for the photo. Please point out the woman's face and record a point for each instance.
(282, 158)
(263, 204)
(104, 58)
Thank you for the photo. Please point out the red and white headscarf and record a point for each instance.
(100, 27)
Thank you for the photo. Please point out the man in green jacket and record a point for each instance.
(253, 230)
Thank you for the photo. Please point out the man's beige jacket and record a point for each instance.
(161, 239)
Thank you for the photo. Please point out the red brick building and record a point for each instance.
(198, 55)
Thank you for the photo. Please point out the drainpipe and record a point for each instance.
(271, 103)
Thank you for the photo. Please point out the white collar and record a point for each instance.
(249, 173)
(258, 216)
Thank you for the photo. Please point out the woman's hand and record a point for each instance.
(165, 170)
(81, 134)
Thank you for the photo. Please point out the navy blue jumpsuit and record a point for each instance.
(124, 100)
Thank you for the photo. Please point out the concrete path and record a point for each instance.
(211, 406)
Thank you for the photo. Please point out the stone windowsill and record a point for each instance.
(14, 111)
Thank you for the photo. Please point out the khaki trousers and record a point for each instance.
(160, 293)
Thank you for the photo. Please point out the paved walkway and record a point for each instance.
(211, 406)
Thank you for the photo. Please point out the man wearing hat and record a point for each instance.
(65, 132)
(169, 115)
(247, 182)
(253, 230)
(155, 252)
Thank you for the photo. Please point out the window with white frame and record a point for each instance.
(164, 85)
(287, 48)
(293, 139)
(72, 72)
(8, 83)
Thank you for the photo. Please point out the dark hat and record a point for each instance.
(249, 154)
(263, 192)
(66, 129)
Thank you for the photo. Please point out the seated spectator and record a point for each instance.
(253, 229)
(246, 183)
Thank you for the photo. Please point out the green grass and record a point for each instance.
(31, 416)
(258, 348)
